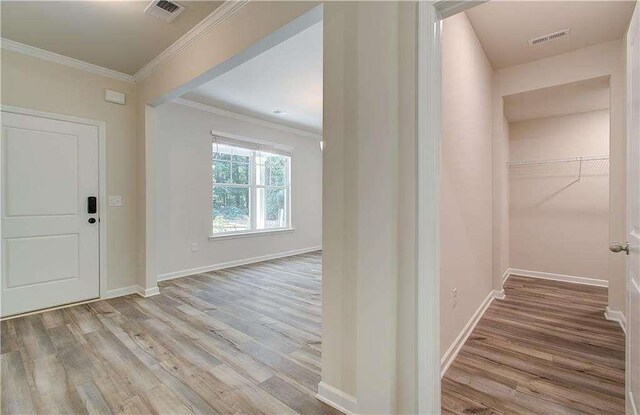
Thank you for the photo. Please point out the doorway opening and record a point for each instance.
(533, 151)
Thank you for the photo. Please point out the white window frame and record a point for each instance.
(255, 147)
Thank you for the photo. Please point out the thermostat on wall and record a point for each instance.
(114, 97)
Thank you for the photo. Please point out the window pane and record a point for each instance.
(221, 171)
(239, 173)
(242, 157)
(230, 209)
(221, 152)
(230, 164)
(275, 171)
(271, 208)
(271, 170)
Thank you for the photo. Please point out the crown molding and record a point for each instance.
(242, 117)
(213, 20)
(64, 60)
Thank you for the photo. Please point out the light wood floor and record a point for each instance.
(242, 340)
(545, 349)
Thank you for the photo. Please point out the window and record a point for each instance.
(251, 187)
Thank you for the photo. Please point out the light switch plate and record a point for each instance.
(115, 200)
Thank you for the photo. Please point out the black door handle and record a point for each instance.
(92, 220)
(92, 205)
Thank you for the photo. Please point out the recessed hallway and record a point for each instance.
(545, 349)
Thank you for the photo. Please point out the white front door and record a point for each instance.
(633, 213)
(50, 240)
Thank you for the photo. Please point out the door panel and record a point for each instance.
(50, 252)
(37, 157)
(57, 259)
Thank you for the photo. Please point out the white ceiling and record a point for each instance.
(504, 27)
(113, 34)
(287, 77)
(573, 98)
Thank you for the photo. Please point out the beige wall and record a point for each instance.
(466, 204)
(45, 86)
(558, 224)
(586, 63)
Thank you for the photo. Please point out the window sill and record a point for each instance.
(249, 234)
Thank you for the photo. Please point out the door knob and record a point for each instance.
(618, 247)
(92, 220)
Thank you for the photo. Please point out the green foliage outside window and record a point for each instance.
(232, 189)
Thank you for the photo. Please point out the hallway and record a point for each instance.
(546, 348)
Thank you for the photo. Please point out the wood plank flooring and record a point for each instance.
(245, 340)
(545, 349)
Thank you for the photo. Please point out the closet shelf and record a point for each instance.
(578, 160)
(561, 160)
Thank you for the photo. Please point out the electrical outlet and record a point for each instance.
(455, 297)
(194, 247)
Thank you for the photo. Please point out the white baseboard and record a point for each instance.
(506, 275)
(632, 404)
(148, 292)
(133, 289)
(558, 277)
(454, 349)
(499, 295)
(337, 399)
(231, 264)
(614, 315)
(119, 292)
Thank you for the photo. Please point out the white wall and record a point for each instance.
(466, 189)
(253, 27)
(369, 232)
(45, 86)
(185, 191)
(559, 225)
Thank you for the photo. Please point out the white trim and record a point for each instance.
(618, 316)
(132, 289)
(447, 8)
(457, 344)
(234, 235)
(505, 276)
(336, 399)
(632, 404)
(102, 178)
(559, 277)
(231, 264)
(120, 292)
(64, 60)
(213, 20)
(148, 292)
(243, 117)
(236, 140)
(429, 90)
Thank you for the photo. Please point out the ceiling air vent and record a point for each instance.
(164, 10)
(549, 37)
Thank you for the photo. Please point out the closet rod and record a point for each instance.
(561, 160)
